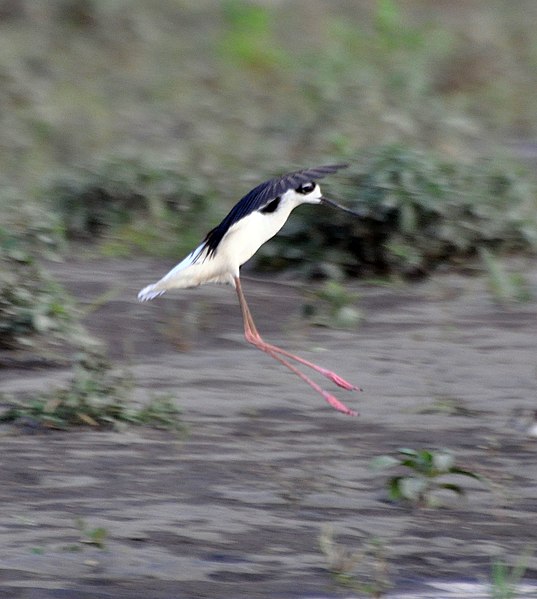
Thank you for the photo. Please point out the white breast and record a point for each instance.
(245, 237)
(238, 245)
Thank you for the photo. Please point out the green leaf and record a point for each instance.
(469, 473)
(413, 464)
(452, 487)
(412, 488)
(442, 461)
(406, 451)
(382, 462)
(394, 488)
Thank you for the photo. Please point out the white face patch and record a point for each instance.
(292, 198)
(310, 197)
(316, 194)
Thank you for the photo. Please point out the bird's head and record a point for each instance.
(310, 193)
(282, 194)
(306, 193)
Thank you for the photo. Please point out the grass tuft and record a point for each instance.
(35, 311)
(97, 397)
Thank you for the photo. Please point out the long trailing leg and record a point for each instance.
(252, 336)
(335, 378)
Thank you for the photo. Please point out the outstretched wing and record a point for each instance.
(263, 194)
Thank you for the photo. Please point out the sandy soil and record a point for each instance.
(235, 507)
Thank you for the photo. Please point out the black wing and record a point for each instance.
(261, 195)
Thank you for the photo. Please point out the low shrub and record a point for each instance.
(34, 309)
(128, 195)
(418, 212)
(96, 396)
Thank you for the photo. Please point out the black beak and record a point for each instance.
(333, 204)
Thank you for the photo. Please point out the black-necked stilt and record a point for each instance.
(251, 222)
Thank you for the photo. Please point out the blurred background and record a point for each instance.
(132, 128)
(234, 89)
(128, 129)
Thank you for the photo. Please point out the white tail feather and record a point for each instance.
(149, 293)
(197, 268)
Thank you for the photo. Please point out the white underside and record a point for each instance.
(238, 245)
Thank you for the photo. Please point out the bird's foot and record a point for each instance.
(339, 381)
(338, 405)
(332, 376)
(255, 339)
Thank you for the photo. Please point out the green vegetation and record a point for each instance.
(140, 127)
(96, 397)
(188, 81)
(91, 536)
(248, 38)
(34, 310)
(505, 579)
(141, 205)
(418, 211)
(427, 471)
(332, 306)
(504, 286)
(28, 226)
(364, 571)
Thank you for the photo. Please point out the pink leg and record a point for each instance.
(335, 378)
(253, 337)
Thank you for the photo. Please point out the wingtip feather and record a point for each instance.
(148, 293)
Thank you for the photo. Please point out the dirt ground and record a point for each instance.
(235, 507)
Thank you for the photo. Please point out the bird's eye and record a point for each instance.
(306, 188)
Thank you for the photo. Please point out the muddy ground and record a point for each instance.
(235, 507)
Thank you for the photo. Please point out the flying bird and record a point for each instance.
(255, 219)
